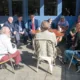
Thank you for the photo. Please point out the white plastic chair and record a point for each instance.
(43, 52)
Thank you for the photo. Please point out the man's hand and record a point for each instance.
(73, 47)
(32, 31)
(59, 39)
(21, 32)
(14, 32)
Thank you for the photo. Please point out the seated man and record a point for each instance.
(10, 25)
(75, 46)
(33, 24)
(45, 34)
(6, 47)
(70, 36)
(20, 31)
(63, 25)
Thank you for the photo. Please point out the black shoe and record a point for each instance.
(31, 43)
(62, 61)
(77, 66)
(3, 66)
(17, 67)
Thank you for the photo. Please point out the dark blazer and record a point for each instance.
(77, 41)
(10, 25)
(17, 26)
(37, 24)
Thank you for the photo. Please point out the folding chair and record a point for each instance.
(74, 56)
(43, 52)
(10, 59)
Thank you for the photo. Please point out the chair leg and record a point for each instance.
(37, 64)
(50, 65)
(71, 61)
(12, 66)
(78, 70)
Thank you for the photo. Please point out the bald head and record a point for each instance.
(5, 30)
(44, 25)
(10, 19)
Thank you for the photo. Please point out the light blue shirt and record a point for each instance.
(64, 24)
(20, 28)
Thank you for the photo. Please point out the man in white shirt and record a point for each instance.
(6, 47)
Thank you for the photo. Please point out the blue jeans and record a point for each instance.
(68, 56)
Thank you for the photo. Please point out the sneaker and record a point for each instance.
(17, 67)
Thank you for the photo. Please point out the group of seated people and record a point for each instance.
(73, 45)
(15, 30)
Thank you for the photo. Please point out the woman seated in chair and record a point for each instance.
(74, 48)
(63, 24)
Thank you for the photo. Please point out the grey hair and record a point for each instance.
(44, 25)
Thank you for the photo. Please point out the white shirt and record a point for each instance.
(6, 46)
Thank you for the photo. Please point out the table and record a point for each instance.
(57, 33)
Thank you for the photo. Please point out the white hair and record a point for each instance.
(3, 30)
(10, 18)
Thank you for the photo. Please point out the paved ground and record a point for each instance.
(60, 72)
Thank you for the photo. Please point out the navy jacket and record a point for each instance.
(10, 25)
(37, 24)
(17, 25)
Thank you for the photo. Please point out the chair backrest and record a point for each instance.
(44, 47)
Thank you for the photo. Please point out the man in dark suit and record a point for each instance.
(20, 30)
(10, 25)
(33, 24)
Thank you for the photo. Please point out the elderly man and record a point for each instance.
(6, 47)
(10, 24)
(45, 34)
(63, 25)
